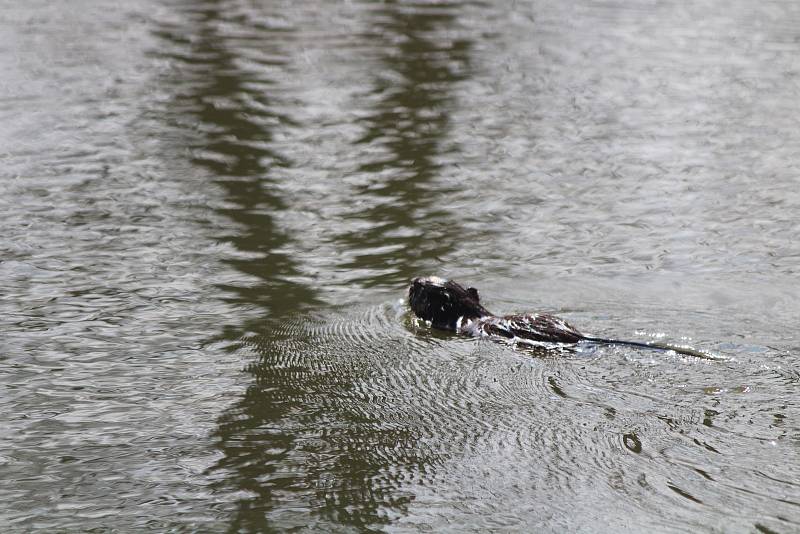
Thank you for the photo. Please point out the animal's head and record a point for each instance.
(442, 301)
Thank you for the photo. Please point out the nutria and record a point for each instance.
(447, 305)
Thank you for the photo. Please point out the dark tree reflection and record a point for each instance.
(411, 120)
(236, 119)
(298, 444)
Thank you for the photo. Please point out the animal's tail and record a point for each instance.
(687, 351)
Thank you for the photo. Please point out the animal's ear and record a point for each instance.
(474, 294)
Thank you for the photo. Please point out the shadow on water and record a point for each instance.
(409, 225)
(297, 441)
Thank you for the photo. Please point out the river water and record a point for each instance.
(211, 211)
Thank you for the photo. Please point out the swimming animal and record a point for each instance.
(447, 305)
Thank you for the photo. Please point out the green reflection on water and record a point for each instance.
(284, 441)
(411, 120)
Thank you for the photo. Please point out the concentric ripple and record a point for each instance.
(415, 409)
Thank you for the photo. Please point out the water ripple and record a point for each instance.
(211, 209)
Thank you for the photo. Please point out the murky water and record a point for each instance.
(211, 210)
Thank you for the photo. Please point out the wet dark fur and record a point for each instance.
(449, 306)
(444, 302)
(443, 305)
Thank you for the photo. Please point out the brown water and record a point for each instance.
(211, 210)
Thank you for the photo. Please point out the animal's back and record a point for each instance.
(530, 327)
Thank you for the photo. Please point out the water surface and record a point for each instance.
(211, 211)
